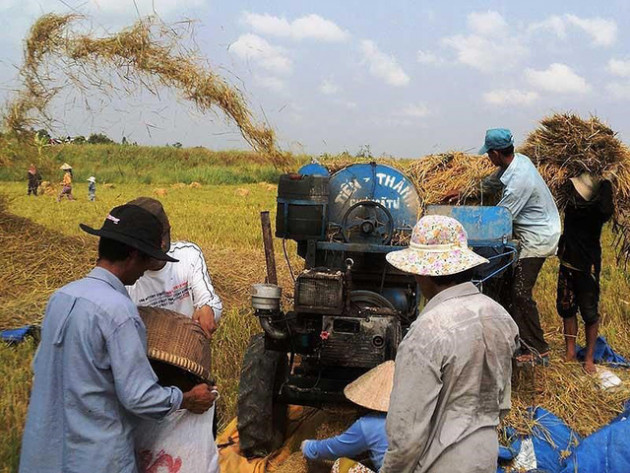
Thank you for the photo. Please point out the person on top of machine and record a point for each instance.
(454, 366)
(371, 391)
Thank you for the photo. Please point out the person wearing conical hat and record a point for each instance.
(580, 253)
(453, 367)
(92, 188)
(371, 391)
(66, 183)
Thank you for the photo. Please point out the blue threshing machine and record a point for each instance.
(350, 307)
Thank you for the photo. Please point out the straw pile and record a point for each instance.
(35, 262)
(147, 55)
(439, 176)
(565, 146)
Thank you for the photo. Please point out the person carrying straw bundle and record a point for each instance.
(92, 378)
(370, 391)
(66, 183)
(589, 206)
(454, 366)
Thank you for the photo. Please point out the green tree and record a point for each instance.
(99, 138)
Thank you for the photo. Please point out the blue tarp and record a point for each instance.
(604, 354)
(605, 451)
(559, 450)
(18, 334)
(551, 438)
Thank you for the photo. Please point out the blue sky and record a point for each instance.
(407, 78)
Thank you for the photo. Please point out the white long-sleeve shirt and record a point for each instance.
(182, 287)
(181, 436)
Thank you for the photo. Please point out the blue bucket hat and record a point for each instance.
(497, 138)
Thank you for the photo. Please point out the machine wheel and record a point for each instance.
(261, 422)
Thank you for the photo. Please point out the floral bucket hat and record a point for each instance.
(438, 247)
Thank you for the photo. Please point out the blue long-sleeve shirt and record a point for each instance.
(92, 378)
(366, 434)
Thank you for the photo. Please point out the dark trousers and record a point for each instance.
(520, 303)
(578, 290)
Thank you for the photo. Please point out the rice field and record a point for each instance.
(42, 248)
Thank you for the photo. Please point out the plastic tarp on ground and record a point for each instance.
(557, 449)
(605, 451)
(552, 441)
(604, 354)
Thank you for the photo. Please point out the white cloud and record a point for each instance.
(619, 90)
(556, 24)
(382, 65)
(415, 111)
(306, 27)
(619, 67)
(251, 47)
(486, 48)
(427, 57)
(328, 87)
(272, 83)
(558, 78)
(603, 32)
(510, 97)
(489, 23)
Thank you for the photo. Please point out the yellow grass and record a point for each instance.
(42, 254)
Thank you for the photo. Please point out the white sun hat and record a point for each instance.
(586, 185)
(438, 247)
(91, 179)
(374, 388)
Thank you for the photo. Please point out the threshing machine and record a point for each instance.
(350, 308)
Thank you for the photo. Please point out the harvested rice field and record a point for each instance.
(42, 248)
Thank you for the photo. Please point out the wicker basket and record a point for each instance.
(174, 340)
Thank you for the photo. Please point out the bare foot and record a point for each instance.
(589, 367)
(570, 357)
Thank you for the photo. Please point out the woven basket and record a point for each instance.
(176, 340)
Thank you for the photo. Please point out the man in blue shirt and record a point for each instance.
(536, 223)
(92, 378)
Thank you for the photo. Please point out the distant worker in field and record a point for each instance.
(536, 224)
(453, 368)
(590, 206)
(370, 391)
(92, 188)
(92, 378)
(186, 288)
(34, 180)
(66, 183)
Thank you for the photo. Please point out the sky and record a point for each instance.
(406, 78)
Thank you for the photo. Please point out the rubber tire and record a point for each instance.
(261, 423)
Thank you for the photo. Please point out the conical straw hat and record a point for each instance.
(65, 167)
(373, 389)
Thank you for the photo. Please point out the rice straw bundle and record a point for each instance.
(147, 55)
(439, 175)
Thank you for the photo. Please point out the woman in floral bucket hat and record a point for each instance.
(453, 367)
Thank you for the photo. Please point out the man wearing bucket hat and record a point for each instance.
(92, 378)
(185, 288)
(536, 223)
(589, 207)
(371, 391)
(453, 367)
